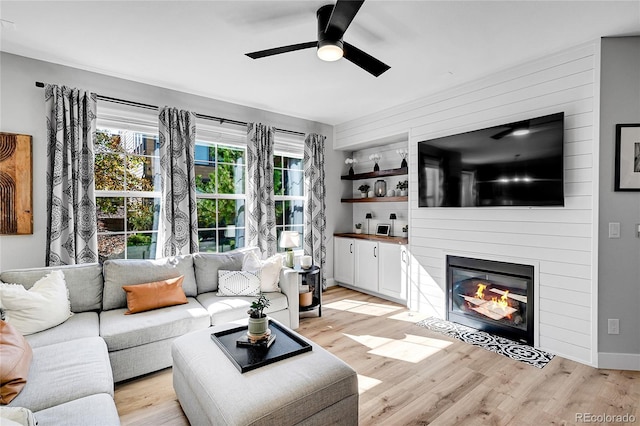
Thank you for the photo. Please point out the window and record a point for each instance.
(288, 178)
(127, 193)
(220, 190)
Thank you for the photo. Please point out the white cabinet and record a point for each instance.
(393, 269)
(343, 260)
(366, 276)
(372, 266)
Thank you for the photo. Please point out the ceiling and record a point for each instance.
(198, 46)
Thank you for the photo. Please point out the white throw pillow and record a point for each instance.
(43, 306)
(238, 283)
(268, 270)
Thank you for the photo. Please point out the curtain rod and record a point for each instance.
(203, 116)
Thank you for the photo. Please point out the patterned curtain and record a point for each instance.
(314, 204)
(178, 227)
(71, 202)
(261, 206)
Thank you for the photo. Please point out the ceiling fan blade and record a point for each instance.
(364, 60)
(343, 13)
(282, 49)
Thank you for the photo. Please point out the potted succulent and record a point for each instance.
(258, 320)
(358, 228)
(364, 188)
(402, 186)
(405, 231)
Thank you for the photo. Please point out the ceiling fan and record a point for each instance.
(333, 21)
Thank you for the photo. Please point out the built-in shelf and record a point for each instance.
(372, 237)
(380, 173)
(376, 200)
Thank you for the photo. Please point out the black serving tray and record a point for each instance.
(287, 345)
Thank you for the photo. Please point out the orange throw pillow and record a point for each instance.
(158, 294)
(16, 354)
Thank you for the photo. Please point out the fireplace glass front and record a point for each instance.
(495, 297)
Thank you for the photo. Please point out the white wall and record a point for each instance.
(619, 259)
(559, 242)
(22, 111)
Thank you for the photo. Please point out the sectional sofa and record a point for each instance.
(76, 363)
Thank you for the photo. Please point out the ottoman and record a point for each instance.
(312, 388)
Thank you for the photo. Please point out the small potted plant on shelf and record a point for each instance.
(258, 320)
(405, 231)
(402, 186)
(358, 228)
(364, 188)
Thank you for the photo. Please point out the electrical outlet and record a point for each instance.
(614, 230)
(614, 326)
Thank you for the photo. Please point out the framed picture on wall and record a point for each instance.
(627, 157)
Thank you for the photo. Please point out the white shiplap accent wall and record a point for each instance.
(559, 242)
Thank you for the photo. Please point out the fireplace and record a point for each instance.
(496, 297)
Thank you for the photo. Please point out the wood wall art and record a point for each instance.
(16, 217)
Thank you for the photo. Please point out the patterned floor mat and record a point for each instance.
(499, 345)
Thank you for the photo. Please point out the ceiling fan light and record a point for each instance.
(330, 52)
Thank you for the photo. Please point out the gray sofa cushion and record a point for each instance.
(66, 371)
(207, 266)
(226, 309)
(122, 331)
(94, 410)
(83, 281)
(84, 324)
(119, 272)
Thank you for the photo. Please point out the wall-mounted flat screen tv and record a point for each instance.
(515, 164)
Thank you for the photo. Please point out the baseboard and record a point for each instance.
(331, 282)
(615, 361)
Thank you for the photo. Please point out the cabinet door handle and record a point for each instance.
(351, 248)
(402, 257)
(374, 252)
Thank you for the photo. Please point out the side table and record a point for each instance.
(311, 277)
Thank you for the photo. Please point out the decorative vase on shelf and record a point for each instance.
(351, 172)
(376, 168)
(404, 163)
(403, 192)
(363, 194)
(370, 194)
(358, 230)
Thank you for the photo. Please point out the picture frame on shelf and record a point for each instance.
(383, 229)
(627, 164)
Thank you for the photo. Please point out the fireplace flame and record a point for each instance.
(480, 291)
(495, 308)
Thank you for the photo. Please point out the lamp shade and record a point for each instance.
(393, 216)
(289, 239)
(369, 216)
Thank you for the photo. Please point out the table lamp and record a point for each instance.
(368, 216)
(289, 240)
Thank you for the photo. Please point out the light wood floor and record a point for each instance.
(409, 375)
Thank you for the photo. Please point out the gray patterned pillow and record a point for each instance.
(238, 283)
